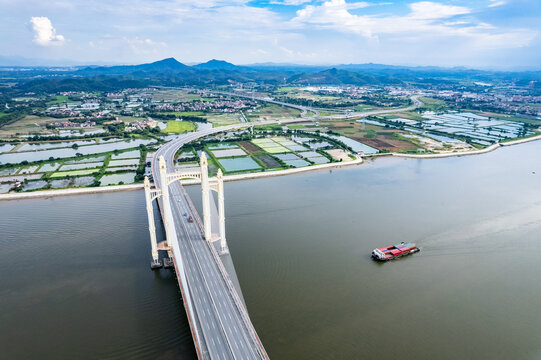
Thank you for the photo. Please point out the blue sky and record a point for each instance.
(482, 33)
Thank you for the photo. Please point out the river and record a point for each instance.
(76, 281)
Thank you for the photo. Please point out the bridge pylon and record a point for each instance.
(164, 189)
(205, 192)
(150, 195)
(207, 185)
(221, 210)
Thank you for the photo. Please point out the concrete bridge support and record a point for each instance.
(151, 227)
(221, 210)
(205, 190)
(165, 201)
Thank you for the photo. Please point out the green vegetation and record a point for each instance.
(61, 174)
(59, 100)
(179, 127)
(430, 104)
(183, 113)
(286, 89)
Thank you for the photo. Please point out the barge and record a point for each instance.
(395, 251)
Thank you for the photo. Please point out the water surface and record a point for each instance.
(76, 268)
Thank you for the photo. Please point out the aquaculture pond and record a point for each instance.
(81, 166)
(127, 155)
(69, 152)
(114, 179)
(228, 153)
(239, 164)
(297, 163)
(6, 147)
(4, 188)
(355, 145)
(222, 146)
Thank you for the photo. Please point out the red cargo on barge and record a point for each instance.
(395, 251)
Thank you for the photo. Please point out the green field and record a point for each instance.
(192, 97)
(74, 173)
(177, 127)
(59, 100)
(431, 104)
(184, 113)
(286, 89)
(223, 119)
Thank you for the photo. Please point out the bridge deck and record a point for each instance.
(220, 324)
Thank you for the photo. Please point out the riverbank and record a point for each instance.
(358, 161)
(72, 191)
(93, 190)
(465, 153)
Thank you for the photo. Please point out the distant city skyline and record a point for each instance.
(481, 34)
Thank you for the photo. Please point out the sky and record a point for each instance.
(474, 33)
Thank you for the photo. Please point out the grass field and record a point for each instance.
(28, 124)
(224, 119)
(59, 100)
(184, 113)
(286, 89)
(270, 111)
(192, 97)
(74, 173)
(178, 127)
(431, 104)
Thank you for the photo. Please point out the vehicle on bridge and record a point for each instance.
(190, 219)
(395, 251)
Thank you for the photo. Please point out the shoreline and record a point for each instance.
(132, 187)
(248, 176)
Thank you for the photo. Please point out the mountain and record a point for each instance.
(217, 65)
(169, 65)
(341, 77)
(170, 72)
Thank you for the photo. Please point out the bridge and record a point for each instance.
(219, 321)
(197, 249)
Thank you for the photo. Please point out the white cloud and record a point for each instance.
(44, 32)
(494, 3)
(426, 22)
(433, 10)
(145, 46)
(290, 2)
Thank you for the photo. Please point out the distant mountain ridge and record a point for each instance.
(341, 77)
(171, 72)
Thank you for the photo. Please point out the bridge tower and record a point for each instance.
(205, 190)
(155, 263)
(221, 209)
(207, 185)
(165, 200)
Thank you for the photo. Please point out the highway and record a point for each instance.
(220, 325)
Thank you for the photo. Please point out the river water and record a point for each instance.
(75, 280)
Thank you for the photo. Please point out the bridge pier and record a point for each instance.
(165, 201)
(205, 190)
(156, 263)
(221, 210)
